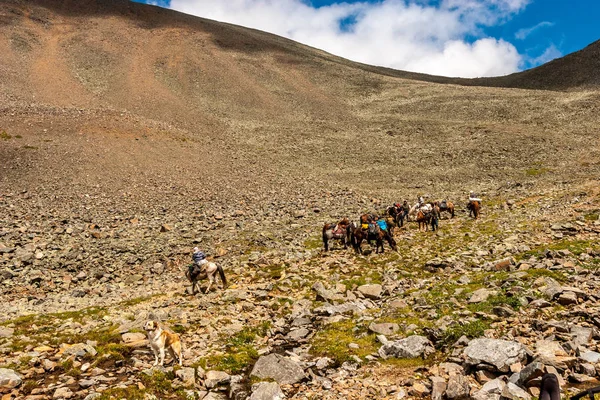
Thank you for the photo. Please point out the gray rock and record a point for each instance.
(157, 268)
(6, 332)
(498, 353)
(540, 303)
(552, 353)
(266, 391)
(298, 334)
(279, 368)
(481, 295)
(410, 347)
(581, 335)
(385, 328)
(591, 357)
(567, 298)
(458, 387)
(215, 378)
(63, 393)
(9, 379)
(186, 375)
(514, 392)
(371, 291)
(532, 371)
(324, 294)
(438, 387)
(491, 390)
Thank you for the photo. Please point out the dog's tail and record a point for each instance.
(222, 274)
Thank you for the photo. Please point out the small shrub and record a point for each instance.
(4, 135)
(472, 330)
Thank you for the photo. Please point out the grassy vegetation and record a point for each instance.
(472, 330)
(157, 384)
(5, 136)
(576, 247)
(536, 171)
(332, 341)
(240, 349)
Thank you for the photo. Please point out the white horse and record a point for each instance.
(206, 269)
(412, 213)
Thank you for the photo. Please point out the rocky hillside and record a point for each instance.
(130, 134)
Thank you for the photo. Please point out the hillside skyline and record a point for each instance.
(442, 37)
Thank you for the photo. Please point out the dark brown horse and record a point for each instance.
(447, 206)
(337, 231)
(423, 219)
(372, 232)
(474, 208)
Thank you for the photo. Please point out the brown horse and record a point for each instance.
(373, 232)
(423, 218)
(474, 207)
(449, 207)
(337, 231)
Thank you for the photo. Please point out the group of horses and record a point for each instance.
(350, 233)
(369, 229)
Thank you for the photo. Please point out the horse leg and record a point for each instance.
(325, 242)
(211, 279)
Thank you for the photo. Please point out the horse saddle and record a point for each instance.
(339, 230)
(443, 205)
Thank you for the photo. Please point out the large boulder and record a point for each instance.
(279, 368)
(410, 347)
(500, 354)
(9, 379)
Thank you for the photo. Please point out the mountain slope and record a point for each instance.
(112, 96)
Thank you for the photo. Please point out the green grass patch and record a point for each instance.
(5, 136)
(472, 330)
(137, 300)
(157, 384)
(536, 171)
(240, 349)
(332, 341)
(495, 301)
(576, 247)
(533, 274)
(313, 243)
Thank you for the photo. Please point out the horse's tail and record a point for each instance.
(222, 275)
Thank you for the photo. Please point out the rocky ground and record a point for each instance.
(120, 153)
(480, 308)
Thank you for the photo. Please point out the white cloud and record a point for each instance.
(412, 35)
(548, 55)
(522, 34)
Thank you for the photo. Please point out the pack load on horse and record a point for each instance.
(337, 231)
(202, 269)
(447, 206)
(474, 205)
(370, 230)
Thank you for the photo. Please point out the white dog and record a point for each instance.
(160, 339)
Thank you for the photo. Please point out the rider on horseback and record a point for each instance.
(200, 260)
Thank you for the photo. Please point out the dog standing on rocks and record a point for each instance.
(160, 340)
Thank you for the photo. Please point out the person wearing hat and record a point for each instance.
(199, 258)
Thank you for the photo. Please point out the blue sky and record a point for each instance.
(444, 37)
